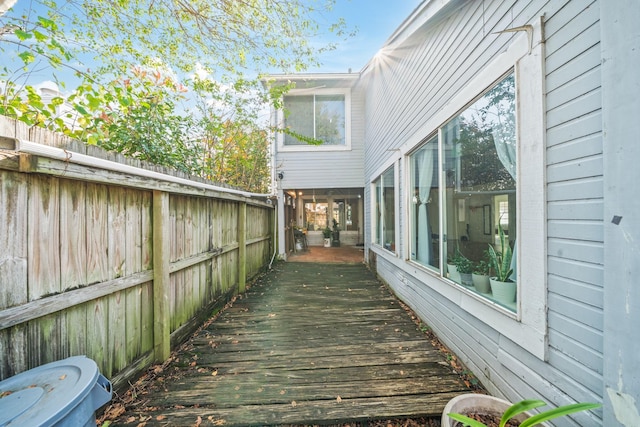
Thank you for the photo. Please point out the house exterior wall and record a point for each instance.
(317, 167)
(578, 108)
(621, 109)
(411, 83)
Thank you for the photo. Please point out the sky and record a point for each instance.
(375, 20)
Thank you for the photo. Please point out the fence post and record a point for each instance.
(242, 247)
(161, 279)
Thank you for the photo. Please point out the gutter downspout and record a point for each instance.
(33, 148)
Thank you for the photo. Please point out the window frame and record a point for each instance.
(444, 217)
(346, 92)
(527, 327)
(375, 226)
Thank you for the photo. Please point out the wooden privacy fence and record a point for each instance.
(101, 257)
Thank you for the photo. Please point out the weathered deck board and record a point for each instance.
(309, 344)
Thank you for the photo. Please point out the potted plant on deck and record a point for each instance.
(335, 234)
(326, 233)
(502, 287)
(468, 409)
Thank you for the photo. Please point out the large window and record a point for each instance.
(319, 116)
(474, 153)
(315, 215)
(425, 205)
(385, 203)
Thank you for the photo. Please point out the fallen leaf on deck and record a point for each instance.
(293, 403)
(339, 399)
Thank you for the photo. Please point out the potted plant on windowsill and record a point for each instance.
(503, 287)
(480, 276)
(452, 266)
(466, 409)
(465, 268)
(326, 233)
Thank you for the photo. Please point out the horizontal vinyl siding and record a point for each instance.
(575, 195)
(408, 86)
(421, 79)
(328, 169)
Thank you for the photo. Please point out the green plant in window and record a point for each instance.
(483, 266)
(464, 264)
(501, 260)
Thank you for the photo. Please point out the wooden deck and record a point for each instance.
(308, 344)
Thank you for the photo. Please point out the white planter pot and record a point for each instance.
(481, 282)
(504, 292)
(453, 273)
(473, 402)
(327, 242)
(466, 279)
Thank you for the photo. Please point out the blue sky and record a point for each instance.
(376, 20)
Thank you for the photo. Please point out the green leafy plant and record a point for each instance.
(455, 258)
(526, 405)
(464, 264)
(483, 266)
(326, 232)
(501, 261)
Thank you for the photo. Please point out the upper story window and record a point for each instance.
(322, 116)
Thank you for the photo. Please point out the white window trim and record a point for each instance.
(309, 147)
(395, 164)
(528, 326)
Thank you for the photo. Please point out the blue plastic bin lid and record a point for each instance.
(44, 395)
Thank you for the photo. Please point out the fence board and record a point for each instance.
(91, 272)
(13, 239)
(73, 248)
(43, 237)
(146, 289)
(117, 329)
(133, 265)
(97, 335)
(97, 233)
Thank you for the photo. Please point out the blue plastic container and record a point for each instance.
(63, 393)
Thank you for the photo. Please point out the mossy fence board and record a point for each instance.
(114, 265)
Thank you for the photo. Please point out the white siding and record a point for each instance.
(575, 178)
(328, 169)
(414, 82)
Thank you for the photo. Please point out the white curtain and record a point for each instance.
(425, 179)
(505, 143)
